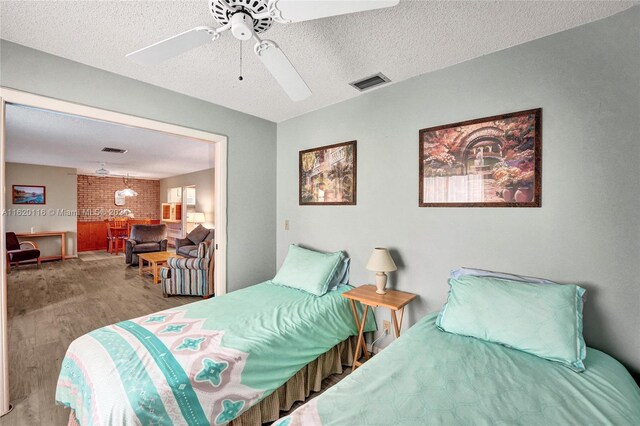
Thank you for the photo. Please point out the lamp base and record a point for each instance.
(381, 282)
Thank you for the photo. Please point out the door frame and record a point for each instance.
(17, 97)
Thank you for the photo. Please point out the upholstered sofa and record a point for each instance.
(145, 239)
(188, 247)
(190, 276)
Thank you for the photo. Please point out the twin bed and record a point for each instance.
(429, 376)
(242, 357)
(504, 350)
(203, 363)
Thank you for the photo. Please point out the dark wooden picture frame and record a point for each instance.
(487, 162)
(20, 194)
(327, 176)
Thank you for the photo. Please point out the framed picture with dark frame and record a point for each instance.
(486, 162)
(28, 194)
(327, 175)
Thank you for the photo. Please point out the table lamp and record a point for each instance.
(198, 218)
(381, 262)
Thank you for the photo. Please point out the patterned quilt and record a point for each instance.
(202, 363)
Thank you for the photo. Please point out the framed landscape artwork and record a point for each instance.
(28, 194)
(327, 175)
(488, 162)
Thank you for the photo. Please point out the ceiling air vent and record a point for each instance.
(114, 150)
(370, 82)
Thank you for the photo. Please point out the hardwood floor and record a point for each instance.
(50, 307)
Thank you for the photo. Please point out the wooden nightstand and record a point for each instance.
(394, 300)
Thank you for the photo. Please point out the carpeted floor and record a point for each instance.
(51, 306)
(90, 256)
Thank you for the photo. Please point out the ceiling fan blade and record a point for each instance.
(305, 10)
(282, 70)
(173, 46)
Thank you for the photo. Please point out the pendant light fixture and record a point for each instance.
(127, 191)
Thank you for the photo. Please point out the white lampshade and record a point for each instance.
(128, 192)
(198, 217)
(381, 261)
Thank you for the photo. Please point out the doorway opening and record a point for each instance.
(215, 206)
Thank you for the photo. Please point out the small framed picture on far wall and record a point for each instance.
(28, 194)
(327, 175)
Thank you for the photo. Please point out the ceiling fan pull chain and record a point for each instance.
(240, 78)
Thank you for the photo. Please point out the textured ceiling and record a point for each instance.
(410, 39)
(36, 136)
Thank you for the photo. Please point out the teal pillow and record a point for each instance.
(308, 270)
(457, 273)
(543, 320)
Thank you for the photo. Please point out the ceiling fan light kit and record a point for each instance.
(248, 18)
(258, 10)
(241, 26)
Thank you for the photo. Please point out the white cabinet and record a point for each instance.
(174, 195)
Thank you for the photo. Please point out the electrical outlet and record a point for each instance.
(386, 327)
(286, 224)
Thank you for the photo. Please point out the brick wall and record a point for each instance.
(96, 198)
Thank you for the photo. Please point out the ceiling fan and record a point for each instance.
(248, 18)
(102, 171)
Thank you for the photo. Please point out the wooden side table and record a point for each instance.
(63, 242)
(366, 294)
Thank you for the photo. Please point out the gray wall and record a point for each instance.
(587, 80)
(61, 189)
(204, 183)
(251, 152)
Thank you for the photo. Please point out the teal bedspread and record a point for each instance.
(202, 363)
(429, 377)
